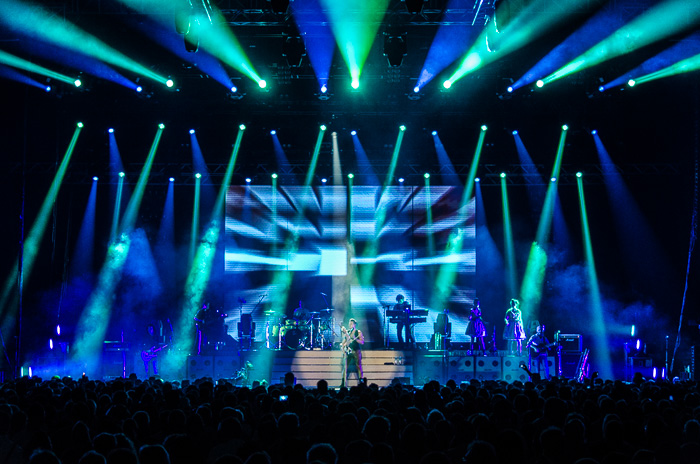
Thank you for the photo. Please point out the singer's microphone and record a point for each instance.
(323, 294)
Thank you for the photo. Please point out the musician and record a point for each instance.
(353, 339)
(154, 342)
(514, 331)
(538, 346)
(210, 327)
(476, 328)
(403, 324)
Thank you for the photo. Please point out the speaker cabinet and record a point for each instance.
(226, 366)
(488, 367)
(428, 367)
(200, 366)
(512, 370)
(461, 368)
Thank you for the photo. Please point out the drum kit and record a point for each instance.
(305, 330)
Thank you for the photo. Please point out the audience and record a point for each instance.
(155, 422)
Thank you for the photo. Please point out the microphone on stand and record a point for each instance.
(323, 294)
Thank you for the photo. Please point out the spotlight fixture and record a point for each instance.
(198, 176)
(138, 89)
(77, 82)
(324, 180)
(565, 127)
(484, 128)
(110, 130)
(47, 88)
(426, 175)
(191, 131)
(509, 89)
(279, 6)
(395, 49)
(324, 88)
(401, 179)
(579, 174)
(293, 51)
(80, 125)
(274, 175)
(414, 6)
(594, 132)
(172, 179)
(273, 132)
(248, 180)
(416, 89)
(122, 174)
(434, 133)
(262, 83)
(503, 175)
(447, 84)
(553, 179)
(477, 179)
(95, 178)
(169, 83)
(234, 89)
(351, 175)
(242, 127)
(514, 132)
(323, 127)
(353, 132)
(161, 126)
(539, 83)
(355, 84)
(402, 128)
(630, 82)
(601, 89)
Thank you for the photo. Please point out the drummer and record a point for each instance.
(301, 315)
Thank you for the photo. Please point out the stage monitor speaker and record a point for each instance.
(226, 366)
(569, 364)
(199, 366)
(512, 370)
(571, 343)
(461, 368)
(488, 367)
(428, 367)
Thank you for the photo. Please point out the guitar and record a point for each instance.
(347, 340)
(147, 355)
(540, 349)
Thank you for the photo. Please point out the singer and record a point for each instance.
(353, 339)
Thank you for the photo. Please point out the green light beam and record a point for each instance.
(200, 271)
(535, 21)
(508, 240)
(531, 286)
(657, 23)
(282, 279)
(215, 35)
(117, 208)
(38, 23)
(355, 24)
(372, 248)
(195, 216)
(132, 208)
(448, 271)
(32, 242)
(19, 63)
(600, 341)
(93, 323)
(684, 66)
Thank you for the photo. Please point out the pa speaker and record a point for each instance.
(512, 370)
(461, 368)
(427, 368)
(200, 366)
(226, 366)
(488, 367)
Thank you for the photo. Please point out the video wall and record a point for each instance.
(332, 252)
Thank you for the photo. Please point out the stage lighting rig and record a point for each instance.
(293, 50)
(395, 48)
(414, 6)
(279, 6)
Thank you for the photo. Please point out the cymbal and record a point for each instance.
(269, 312)
(314, 312)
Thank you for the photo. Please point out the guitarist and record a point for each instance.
(538, 346)
(353, 339)
(155, 341)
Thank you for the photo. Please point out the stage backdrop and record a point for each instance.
(322, 248)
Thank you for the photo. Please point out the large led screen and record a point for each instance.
(334, 252)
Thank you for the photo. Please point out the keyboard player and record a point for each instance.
(404, 322)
